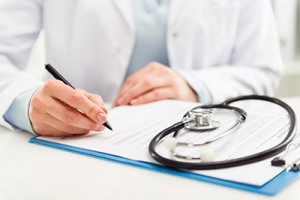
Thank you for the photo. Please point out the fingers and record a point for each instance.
(71, 117)
(149, 78)
(78, 100)
(61, 127)
(47, 130)
(97, 99)
(153, 95)
(141, 87)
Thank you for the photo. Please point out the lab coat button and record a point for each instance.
(175, 35)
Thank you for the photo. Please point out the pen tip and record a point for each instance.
(107, 125)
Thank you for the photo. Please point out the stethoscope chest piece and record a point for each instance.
(199, 119)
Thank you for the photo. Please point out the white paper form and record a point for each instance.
(135, 126)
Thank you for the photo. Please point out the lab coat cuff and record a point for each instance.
(17, 115)
(203, 93)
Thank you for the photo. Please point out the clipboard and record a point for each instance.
(271, 188)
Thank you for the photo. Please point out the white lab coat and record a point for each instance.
(231, 45)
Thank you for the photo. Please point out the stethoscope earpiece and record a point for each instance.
(170, 143)
(207, 157)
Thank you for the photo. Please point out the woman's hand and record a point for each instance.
(58, 110)
(154, 82)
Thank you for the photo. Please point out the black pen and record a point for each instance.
(56, 75)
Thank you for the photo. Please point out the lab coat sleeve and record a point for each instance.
(17, 114)
(255, 66)
(204, 95)
(20, 24)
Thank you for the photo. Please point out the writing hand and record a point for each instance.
(53, 110)
(154, 82)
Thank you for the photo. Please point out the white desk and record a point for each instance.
(30, 171)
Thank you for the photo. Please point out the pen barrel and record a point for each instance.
(57, 75)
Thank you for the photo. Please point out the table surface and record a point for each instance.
(30, 171)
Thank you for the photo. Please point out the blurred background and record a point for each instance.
(287, 13)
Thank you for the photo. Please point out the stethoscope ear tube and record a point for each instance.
(233, 162)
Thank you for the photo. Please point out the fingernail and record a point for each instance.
(134, 101)
(101, 128)
(101, 117)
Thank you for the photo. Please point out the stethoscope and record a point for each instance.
(199, 119)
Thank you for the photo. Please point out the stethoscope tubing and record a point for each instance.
(232, 162)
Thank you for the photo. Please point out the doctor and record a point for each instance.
(131, 52)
